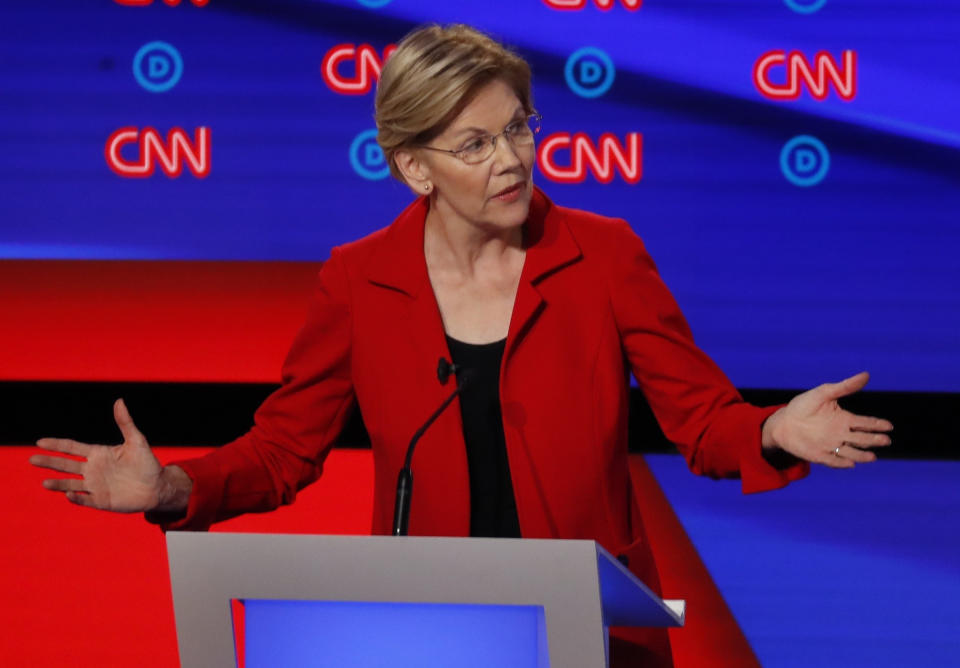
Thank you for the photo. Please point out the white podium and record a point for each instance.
(404, 595)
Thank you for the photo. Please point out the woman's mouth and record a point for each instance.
(512, 193)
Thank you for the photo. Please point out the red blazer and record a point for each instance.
(590, 308)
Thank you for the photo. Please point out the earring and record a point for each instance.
(426, 186)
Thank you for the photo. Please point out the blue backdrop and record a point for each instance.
(805, 239)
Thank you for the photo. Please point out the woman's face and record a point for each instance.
(493, 194)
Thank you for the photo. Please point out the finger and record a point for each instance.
(65, 445)
(861, 439)
(64, 484)
(125, 422)
(864, 423)
(857, 455)
(831, 459)
(838, 462)
(847, 386)
(57, 464)
(81, 499)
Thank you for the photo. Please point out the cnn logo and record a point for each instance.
(366, 67)
(817, 78)
(575, 5)
(170, 154)
(602, 159)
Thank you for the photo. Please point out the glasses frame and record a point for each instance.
(458, 153)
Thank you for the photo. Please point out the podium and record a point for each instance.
(403, 601)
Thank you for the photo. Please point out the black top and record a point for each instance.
(493, 510)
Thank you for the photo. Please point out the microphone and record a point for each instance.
(401, 507)
(444, 369)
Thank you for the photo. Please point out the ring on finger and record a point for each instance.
(836, 450)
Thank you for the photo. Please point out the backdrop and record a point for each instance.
(791, 164)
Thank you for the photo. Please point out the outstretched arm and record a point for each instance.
(698, 408)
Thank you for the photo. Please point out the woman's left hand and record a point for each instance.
(814, 427)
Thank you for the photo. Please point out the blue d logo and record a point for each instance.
(366, 157)
(589, 72)
(804, 161)
(157, 67)
(805, 6)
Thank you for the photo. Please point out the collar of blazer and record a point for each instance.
(398, 263)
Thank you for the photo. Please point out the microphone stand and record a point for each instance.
(401, 507)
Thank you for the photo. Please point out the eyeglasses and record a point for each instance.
(519, 133)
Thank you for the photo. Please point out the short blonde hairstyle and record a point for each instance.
(432, 76)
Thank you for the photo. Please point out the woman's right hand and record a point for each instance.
(125, 478)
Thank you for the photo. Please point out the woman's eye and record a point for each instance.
(515, 127)
(475, 146)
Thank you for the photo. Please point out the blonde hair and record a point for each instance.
(432, 76)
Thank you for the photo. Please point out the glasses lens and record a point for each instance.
(521, 133)
(518, 133)
(478, 151)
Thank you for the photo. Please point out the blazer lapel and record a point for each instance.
(399, 265)
(550, 248)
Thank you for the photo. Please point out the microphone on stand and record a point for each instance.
(444, 369)
(401, 507)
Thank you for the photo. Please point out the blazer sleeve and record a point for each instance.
(696, 405)
(295, 426)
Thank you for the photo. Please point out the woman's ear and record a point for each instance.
(414, 171)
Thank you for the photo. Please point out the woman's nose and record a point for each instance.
(505, 154)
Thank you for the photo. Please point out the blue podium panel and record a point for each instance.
(372, 635)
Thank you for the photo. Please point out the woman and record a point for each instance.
(550, 307)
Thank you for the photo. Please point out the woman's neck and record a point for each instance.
(452, 244)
